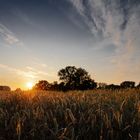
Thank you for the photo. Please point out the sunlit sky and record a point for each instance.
(39, 37)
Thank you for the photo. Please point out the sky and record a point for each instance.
(39, 37)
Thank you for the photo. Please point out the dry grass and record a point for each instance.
(89, 115)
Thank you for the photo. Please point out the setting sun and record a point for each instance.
(29, 85)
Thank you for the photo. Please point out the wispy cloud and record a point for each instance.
(9, 36)
(30, 72)
(113, 22)
(25, 74)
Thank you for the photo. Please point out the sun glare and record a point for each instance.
(29, 85)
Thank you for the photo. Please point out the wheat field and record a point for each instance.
(74, 115)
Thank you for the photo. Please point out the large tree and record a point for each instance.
(76, 78)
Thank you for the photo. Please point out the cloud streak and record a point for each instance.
(30, 73)
(113, 22)
(8, 36)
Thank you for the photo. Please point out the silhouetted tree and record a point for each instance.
(67, 75)
(127, 84)
(5, 88)
(76, 78)
(42, 85)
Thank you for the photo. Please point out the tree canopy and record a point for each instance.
(76, 78)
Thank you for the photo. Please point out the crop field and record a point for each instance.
(74, 115)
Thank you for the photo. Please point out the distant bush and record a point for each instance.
(127, 84)
(5, 88)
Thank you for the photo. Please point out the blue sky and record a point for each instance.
(39, 37)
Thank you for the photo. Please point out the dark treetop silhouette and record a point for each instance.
(76, 78)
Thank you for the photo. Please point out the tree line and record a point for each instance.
(73, 78)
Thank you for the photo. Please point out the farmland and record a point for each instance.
(74, 115)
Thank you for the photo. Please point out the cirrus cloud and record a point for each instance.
(114, 22)
(9, 36)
